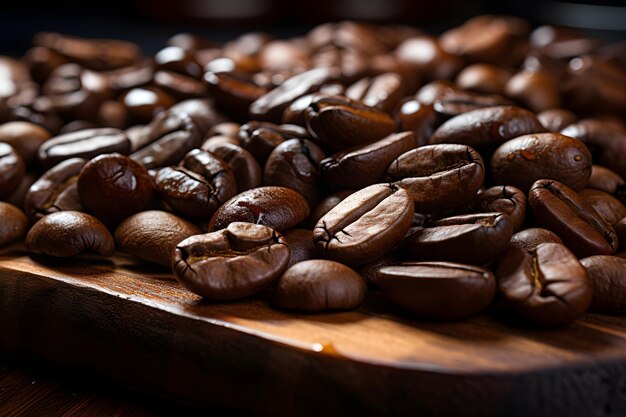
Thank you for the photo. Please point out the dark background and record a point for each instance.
(150, 23)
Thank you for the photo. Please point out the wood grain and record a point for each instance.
(135, 324)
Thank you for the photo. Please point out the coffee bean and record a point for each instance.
(426, 55)
(439, 177)
(55, 190)
(301, 245)
(504, 199)
(529, 239)
(339, 122)
(418, 118)
(232, 263)
(483, 78)
(382, 92)
(536, 90)
(523, 160)
(153, 235)
(604, 179)
(556, 119)
(178, 85)
(607, 206)
(113, 186)
(260, 138)
(143, 103)
(365, 165)
(319, 285)
(620, 230)
(25, 138)
(547, 285)
(12, 169)
(326, 205)
(560, 209)
(86, 144)
(365, 225)
(198, 186)
(173, 58)
(608, 276)
(438, 290)
(69, 233)
(277, 207)
(233, 92)
(245, 168)
(471, 238)
(14, 223)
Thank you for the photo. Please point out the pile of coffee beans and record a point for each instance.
(484, 168)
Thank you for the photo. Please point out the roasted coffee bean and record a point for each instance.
(201, 111)
(608, 276)
(557, 119)
(165, 140)
(173, 58)
(260, 138)
(245, 50)
(245, 168)
(620, 230)
(523, 160)
(279, 55)
(504, 199)
(215, 142)
(382, 92)
(418, 118)
(483, 78)
(489, 126)
(123, 79)
(277, 207)
(12, 168)
(76, 125)
(69, 233)
(41, 62)
(55, 190)
(326, 205)
(113, 186)
(229, 129)
(607, 142)
(233, 92)
(301, 245)
(529, 239)
(560, 209)
(426, 55)
(153, 235)
(14, 223)
(232, 263)
(365, 225)
(86, 144)
(295, 113)
(471, 238)
(178, 85)
(561, 42)
(366, 165)
(271, 105)
(607, 206)
(339, 122)
(438, 290)
(536, 90)
(97, 54)
(604, 179)
(198, 186)
(547, 285)
(319, 285)
(439, 177)
(113, 114)
(17, 197)
(370, 271)
(143, 103)
(294, 164)
(25, 137)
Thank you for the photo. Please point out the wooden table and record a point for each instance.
(131, 323)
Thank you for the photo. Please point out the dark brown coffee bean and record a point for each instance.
(17, 197)
(426, 55)
(278, 55)
(55, 190)
(271, 105)
(245, 168)
(41, 62)
(198, 186)
(260, 138)
(165, 140)
(607, 206)
(561, 42)
(14, 223)
(604, 179)
(489, 126)
(382, 92)
(438, 290)
(113, 186)
(301, 245)
(113, 114)
(608, 276)
(25, 137)
(86, 144)
(294, 164)
(12, 168)
(326, 205)
(319, 285)
(233, 92)
(557, 119)
(366, 225)
(439, 177)
(547, 285)
(229, 129)
(536, 90)
(178, 85)
(366, 165)
(76, 125)
(607, 142)
(339, 122)
(143, 103)
(277, 207)
(529, 239)
(504, 199)
(483, 78)
(560, 209)
(523, 160)
(620, 230)
(232, 263)
(471, 238)
(173, 58)
(69, 233)
(153, 235)
(295, 113)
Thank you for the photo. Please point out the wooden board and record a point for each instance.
(134, 324)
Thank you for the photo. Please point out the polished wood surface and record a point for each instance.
(134, 324)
